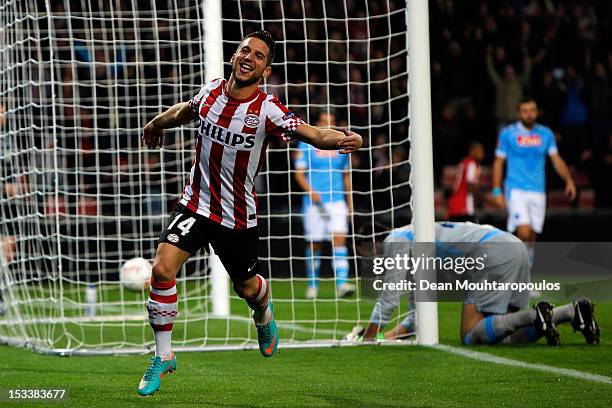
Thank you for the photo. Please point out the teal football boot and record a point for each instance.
(267, 336)
(151, 380)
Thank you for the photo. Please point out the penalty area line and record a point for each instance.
(490, 358)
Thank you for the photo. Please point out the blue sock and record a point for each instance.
(313, 263)
(341, 265)
(484, 332)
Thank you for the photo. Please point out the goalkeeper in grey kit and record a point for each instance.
(487, 317)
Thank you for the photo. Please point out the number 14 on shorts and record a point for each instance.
(184, 225)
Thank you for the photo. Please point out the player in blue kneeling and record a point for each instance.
(487, 316)
(324, 176)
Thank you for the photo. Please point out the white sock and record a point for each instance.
(163, 347)
(262, 317)
(563, 313)
(260, 305)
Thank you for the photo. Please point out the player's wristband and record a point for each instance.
(496, 192)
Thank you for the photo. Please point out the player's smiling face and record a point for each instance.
(250, 62)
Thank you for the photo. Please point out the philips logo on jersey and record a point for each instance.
(224, 136)
(529, 140)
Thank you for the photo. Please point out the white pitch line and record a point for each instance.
(490, 358)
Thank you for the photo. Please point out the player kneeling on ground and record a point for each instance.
(487, 317)
(218, 205)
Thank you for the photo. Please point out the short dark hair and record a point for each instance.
(525, 99)
(266, 37)
(475, 142)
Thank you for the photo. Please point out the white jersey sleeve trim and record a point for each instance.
(499, 153)
(471, 173)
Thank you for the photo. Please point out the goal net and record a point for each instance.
(80, 194)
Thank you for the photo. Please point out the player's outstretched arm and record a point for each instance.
(329, 139)
(564, 172)
(302, 180)
(348, 189)
(498, 172)
(177, 115)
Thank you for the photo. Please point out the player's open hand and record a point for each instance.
(153, 136)
(315, 197)
(570, 190)
(351, 142)
(498, 201)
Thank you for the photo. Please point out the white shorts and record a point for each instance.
(321, 221)
(526, 208)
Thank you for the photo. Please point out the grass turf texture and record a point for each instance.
(353, 376)
(300, 319)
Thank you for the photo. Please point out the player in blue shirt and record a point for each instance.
(487, 316)
(324, 176)
(524, 145)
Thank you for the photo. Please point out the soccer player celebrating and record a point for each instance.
(487, 316)
(323, 175)
(218, 205)
(524, 145)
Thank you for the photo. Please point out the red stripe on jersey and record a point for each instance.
(262, 157)
(273, 130)
(197, 174)
(214, 168)
(459, 201)
(227, 114)
(279, 105)
(197, 178)
(254, 109)
(262, 160)
(240, 171)
(269, 125)
(210, 100)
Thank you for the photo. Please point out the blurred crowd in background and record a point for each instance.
(486, 55)
(71, 157)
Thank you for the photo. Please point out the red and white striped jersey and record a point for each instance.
(230, 150)
(461, 202)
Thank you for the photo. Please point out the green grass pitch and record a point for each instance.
(347, 376)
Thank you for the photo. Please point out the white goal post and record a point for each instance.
(80, 195)
(417, 17)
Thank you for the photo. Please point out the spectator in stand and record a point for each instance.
(574, 114)
(598, 164)
(550, 96)
(600, 105)
(509, 86)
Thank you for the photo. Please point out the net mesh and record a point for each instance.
(81, 195)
